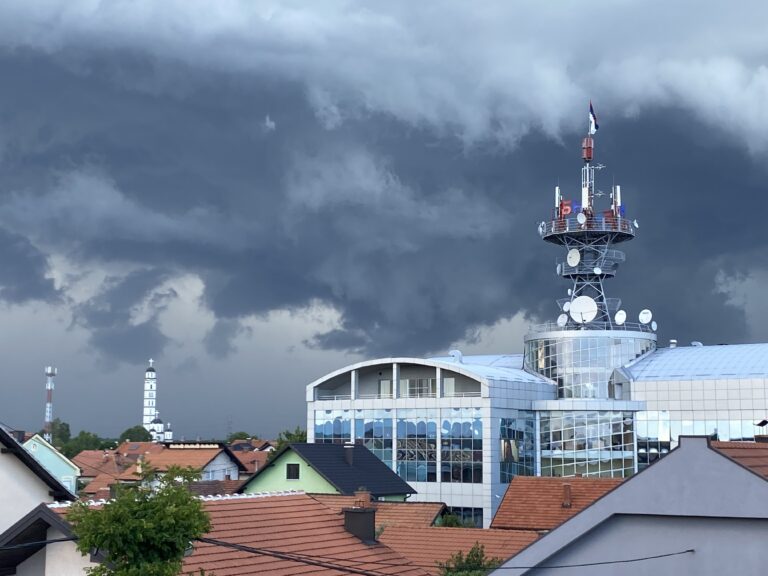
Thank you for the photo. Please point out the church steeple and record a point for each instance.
(150, 398)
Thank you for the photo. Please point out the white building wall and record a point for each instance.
(21, 490)
(33, 566)
(64, 559)
(221, 468)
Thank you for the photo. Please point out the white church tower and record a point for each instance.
(151, 419)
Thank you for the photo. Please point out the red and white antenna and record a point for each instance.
(50, 373)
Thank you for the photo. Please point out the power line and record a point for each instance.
(603, 563)
(38, 543)
(295, 558)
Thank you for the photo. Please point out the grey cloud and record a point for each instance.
(112, 317)
(24, 271)
(219, 341)
(414, 62)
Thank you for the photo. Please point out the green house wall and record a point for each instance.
(273, 478)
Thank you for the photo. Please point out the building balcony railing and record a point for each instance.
(553, 327)
(334, 396)
(374, 396)
(474, 394)
(406, 395)
(597, 223)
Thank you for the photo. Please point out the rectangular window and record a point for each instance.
(291, 471)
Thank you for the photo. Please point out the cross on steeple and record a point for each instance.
(151, 362)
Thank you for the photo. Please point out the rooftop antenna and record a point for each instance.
(50, 373)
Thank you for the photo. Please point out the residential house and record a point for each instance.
(215, 461)
(328, 469)
(253, 461)
(24, 482)
(287, 534)
(699, 510)
(66, 471)
(24, 551)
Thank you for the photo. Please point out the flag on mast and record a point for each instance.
(592, 120)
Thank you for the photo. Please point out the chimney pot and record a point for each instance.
(349, 453)
(566, 495)
(362, 498)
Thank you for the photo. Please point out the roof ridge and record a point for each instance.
(209, 498)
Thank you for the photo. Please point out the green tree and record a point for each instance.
(146, 528)
(83, 441)
(239, 436)
(135, 434)
(473, 564)
(453, 521)
(289, 437)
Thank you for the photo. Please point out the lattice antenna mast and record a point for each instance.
(588, 235)
(50, 373)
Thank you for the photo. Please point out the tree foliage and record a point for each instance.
(85, 441)
(289, 437)
(145, 529)
(135, 434)
(60, 432)
(241, 435)
(453, 521)
(474, 563)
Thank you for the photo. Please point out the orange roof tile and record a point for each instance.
(92, 463)
(753, 455)
(101, 482)
(163, 459)
(536, 503)
(295, 524)
(428, 546)
(414, 514)
(253, 460)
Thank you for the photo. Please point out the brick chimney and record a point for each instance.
(567, 496)
(362, 498)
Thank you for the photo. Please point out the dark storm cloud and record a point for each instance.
(376, 163)
(23, 271)
(110, 318)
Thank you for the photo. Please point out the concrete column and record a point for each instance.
(439, 380)
(537, 443)
(395, 380)
(353, 385)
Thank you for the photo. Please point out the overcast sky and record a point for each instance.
(258, 193)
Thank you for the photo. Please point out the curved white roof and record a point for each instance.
(507, 367)
(702, 363)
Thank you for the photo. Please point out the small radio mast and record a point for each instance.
(50, 373)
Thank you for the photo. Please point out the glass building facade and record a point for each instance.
(517, 454)
(587, 443)
(582, 365)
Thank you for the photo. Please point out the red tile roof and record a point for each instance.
(294, 524)
(253, 460)
(92, 463)
(536, 503)
(414, 514)
(428, 546)
(753, 455)
(214, 487)
(163, 459)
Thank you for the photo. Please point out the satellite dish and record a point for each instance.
(573, 258)
(570, 291)
(562, 320)
(583, 309)
(635, 224)
(542, 228)
(645, 316)
(581, 218)
(566, 306)
(620, 317)
(597, 270)
(559, 269)
(654, 326)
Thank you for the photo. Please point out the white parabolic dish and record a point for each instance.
(581, 218)
(562, 320)
(645, 316)
(583, 309)
(621, 317)
(573, 258)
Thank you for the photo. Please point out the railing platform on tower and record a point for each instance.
(620, 228)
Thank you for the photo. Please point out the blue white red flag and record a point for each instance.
(592, 120)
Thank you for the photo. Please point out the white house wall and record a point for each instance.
(21, 490)
(221, 468)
